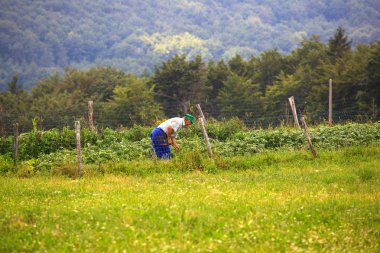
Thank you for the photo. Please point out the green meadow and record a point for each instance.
(268, 202)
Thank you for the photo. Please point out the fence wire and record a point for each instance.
(251, 115)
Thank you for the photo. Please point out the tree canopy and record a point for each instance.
(254, 89)
(40, 37)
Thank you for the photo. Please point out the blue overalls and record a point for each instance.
(160, 145)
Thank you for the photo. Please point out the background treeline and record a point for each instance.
(39, 36)
(254, 89)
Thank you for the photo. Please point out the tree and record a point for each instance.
(372, 70)
(310, 53)
(276, 96)
(13, 87)
(269, 66)
(338, 45)
(305, 65)
(179, 82)
(14, 105)
(240, 98)
(350, 80)
(133, 103)
(67, 95)
(96, 83)
(237, 65)
(57, 110)
(217, 74)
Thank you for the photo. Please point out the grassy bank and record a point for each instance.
(269, 202)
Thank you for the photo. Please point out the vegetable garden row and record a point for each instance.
(45, 150)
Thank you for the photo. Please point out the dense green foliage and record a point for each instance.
(46, 151)
(256, 90)
(38, 37)
(272, 202)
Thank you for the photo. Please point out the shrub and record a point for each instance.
(67, 138)
(189, 161)
(26, 169)
(66, 169)
(6, 145)
(50, 141)
(88, 137)
(225, 129)
(6, 164)
(137, 133)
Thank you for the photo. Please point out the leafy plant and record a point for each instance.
(6, 164)
(52, 148)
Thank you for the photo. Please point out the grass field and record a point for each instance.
(271, 202)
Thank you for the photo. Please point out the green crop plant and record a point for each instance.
(52, 147)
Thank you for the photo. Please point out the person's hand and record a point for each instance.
(176, 147)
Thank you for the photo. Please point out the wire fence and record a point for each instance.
(252, 115)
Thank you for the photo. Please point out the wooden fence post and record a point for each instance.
(205, 136)
(15, 143)
(307, 134)
(79, 153)
(204, 132)
(293, 106)
(201, 113)
(330, 102)
(90, 114)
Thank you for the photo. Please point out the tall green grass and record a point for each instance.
(271, 202)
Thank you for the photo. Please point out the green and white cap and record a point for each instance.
(190, 117)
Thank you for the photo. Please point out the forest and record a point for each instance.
(253, 90)
(42, 37)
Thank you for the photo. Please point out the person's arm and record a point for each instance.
(174, 142)
(169, 134)
(171, 138)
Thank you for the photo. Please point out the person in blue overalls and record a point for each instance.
(166, 133)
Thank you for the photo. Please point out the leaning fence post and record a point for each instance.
(90, 114)
(79, 153)
(204, 132)
(307, 134)
(201, 112)
(205, 136)
(15, 143)
(293, 106)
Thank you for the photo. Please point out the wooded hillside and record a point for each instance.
(39, 37)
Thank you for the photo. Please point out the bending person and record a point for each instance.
(166, 133)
